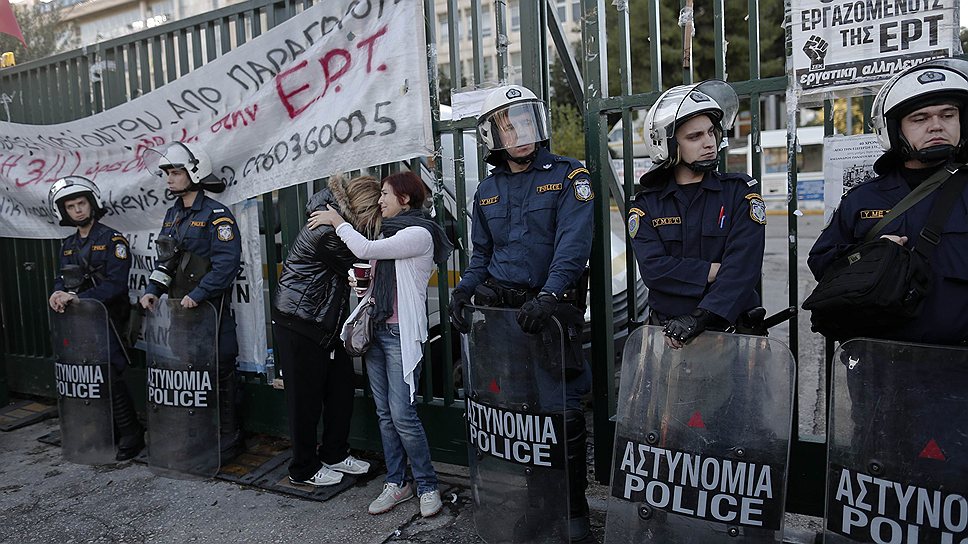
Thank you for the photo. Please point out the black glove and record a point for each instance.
(688, 326)
(458, 300)
(535, 313)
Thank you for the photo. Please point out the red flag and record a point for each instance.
(8, 22)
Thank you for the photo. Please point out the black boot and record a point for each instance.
(230, 429)
(575, 450)
(131, 435)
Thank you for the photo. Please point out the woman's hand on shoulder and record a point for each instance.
(324, 217)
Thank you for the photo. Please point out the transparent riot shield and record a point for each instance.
(514, 389)
(897, 444)
(701, 440)
(82, 372)
(182, 402)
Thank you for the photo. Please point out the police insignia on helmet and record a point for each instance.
(225, 233)
(930, 76)
(583, 190)
(513, 93)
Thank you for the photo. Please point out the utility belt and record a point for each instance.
(498, 296)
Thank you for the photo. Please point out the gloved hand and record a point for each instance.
(688, 326)
(535, 313)
(459, 299)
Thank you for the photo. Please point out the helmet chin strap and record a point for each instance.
(703, 166)
(527, 159)
(935, 153)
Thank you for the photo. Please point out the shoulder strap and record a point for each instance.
(915, 196)
(931, 233)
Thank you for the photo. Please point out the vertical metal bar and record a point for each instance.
(501, 39)
(453, 42)
(687, 41)
(603, 348)
(84, 73)
(171, 65)
(477, 42)
(144, 68)
(132, 76)
(628, 129)
(532, 56)
(157, 64)
(655, 44)
(225, 35)
(792, 217)
(719, 39)
(197, 53)
(211, 50)
(182, 39)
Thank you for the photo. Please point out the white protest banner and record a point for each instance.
(248, 302)
(341, 86)
(843, 44)
(848, 162)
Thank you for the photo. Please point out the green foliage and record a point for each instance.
(771, 43)
(567, 131)
(44, 32)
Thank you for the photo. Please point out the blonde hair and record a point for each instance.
(364, 200)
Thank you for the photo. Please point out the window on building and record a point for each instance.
(487, 21)
(444, 33)
(576, 10)
(488, 68)
(515, 15)
(562, 6)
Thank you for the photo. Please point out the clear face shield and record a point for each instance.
(515, 125)
(158, 161)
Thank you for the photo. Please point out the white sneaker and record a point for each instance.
(391, 496)
(351, 465)
(430, 503)
(325, 476)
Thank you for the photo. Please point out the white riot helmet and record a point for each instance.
(70, 187)
(512, 116)
(935, 82)
(713, 97)
(194, 160)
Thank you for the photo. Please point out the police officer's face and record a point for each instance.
(516, 128)
(390, 204)
(697, 140)
(932, 126)
(78, 209)
(178, 179)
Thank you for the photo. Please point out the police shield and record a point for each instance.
(82, 372)
(182, 403)
(898, 438)
(514, 394)
(701, 440)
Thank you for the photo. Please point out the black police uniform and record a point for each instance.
(104, 259)
(677, 233)
(532, 232)
(209, 231)
(942, 319)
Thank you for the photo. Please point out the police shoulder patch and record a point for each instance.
(633, 223)
(121, 251)
(583, 189)
(576, 171)
(757, 208)
(224, 232)
(221, 220)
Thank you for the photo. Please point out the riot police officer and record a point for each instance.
(698, 234)
(532, 225)
(204, 260)
(919, 118)
(94, 264)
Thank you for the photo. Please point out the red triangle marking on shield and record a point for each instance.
(696, 421)
(494, 387)
(932, 451)
(66, 343)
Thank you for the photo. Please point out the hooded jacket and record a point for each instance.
(312, 295)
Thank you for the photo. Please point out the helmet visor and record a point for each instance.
(680, 103)
(515, 125)
(159, 160)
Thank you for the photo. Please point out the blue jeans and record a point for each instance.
(400, 429)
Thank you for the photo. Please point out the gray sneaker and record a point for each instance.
(391, 496)
(322, 478)
(351, 465)
(430, 503)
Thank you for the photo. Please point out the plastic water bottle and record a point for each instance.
(270, 367)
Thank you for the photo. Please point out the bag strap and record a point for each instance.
(931, 232)
(915, 196)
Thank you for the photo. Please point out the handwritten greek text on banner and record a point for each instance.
(340, 86)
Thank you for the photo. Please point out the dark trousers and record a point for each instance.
(319, 380)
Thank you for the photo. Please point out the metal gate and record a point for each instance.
(478, 51)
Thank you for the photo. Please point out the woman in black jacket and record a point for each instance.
(311, 304)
